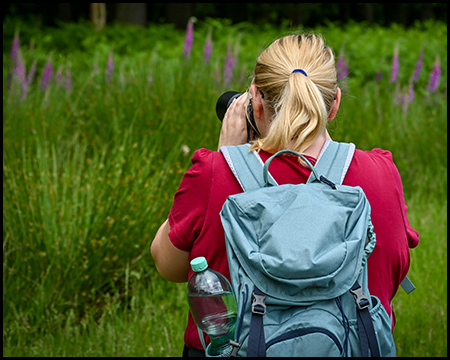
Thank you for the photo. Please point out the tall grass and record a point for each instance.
(89, 173)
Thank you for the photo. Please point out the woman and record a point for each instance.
(294, 95)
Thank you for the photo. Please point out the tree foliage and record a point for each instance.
(305, 14)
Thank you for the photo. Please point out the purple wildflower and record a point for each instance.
(418, 66)
(20, 70)
(47, 75)
(109, 68)
(20, 75)
(395, 66)
(15, 47)
(207, 51)
(14, 56)
(189, 39)
(435, 76)
(230, 63)
(342, 67)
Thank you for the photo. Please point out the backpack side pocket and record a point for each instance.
(383, 331)
(383, 328)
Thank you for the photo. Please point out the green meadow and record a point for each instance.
(99, 128)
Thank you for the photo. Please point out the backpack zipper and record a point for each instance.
(300, 332)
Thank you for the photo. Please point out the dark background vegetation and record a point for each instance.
(305, 14)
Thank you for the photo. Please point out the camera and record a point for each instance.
(225, 101)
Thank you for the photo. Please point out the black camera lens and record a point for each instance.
(224, 102)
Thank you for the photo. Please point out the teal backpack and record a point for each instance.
(297, 256)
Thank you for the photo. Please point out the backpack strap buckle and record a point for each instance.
(235, 345)
(258, 305)
(256, 336)
(362, 301)
(367, 336)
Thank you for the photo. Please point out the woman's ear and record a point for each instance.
(258, 109)
(336, 103)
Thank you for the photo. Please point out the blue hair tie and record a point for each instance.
(300, 71)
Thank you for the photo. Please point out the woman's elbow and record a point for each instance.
(171, 263)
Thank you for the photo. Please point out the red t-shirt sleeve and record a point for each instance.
(388, 264)
(187, 216)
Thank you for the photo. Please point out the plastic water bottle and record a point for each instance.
(213, 306)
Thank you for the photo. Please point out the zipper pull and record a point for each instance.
(328, 182)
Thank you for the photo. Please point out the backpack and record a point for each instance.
(297, 256)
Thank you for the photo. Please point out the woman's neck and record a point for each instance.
(316, 147)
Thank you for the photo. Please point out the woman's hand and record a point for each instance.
(234, 124)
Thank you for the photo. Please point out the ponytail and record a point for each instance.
(297, 74)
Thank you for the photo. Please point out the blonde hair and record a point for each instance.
(299, 104)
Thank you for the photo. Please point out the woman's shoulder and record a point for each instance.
(374, 166)
(210, 163)
(204, 155)
(375, 156)
(376, 161)
(203, 159)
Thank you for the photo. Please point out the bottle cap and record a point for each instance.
(199, 264)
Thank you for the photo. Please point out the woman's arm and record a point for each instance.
(171, 263)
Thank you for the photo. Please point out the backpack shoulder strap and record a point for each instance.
(247, 166)
(334, 161)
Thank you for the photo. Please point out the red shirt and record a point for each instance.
(196, 227)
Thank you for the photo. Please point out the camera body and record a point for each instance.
(222, 106)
